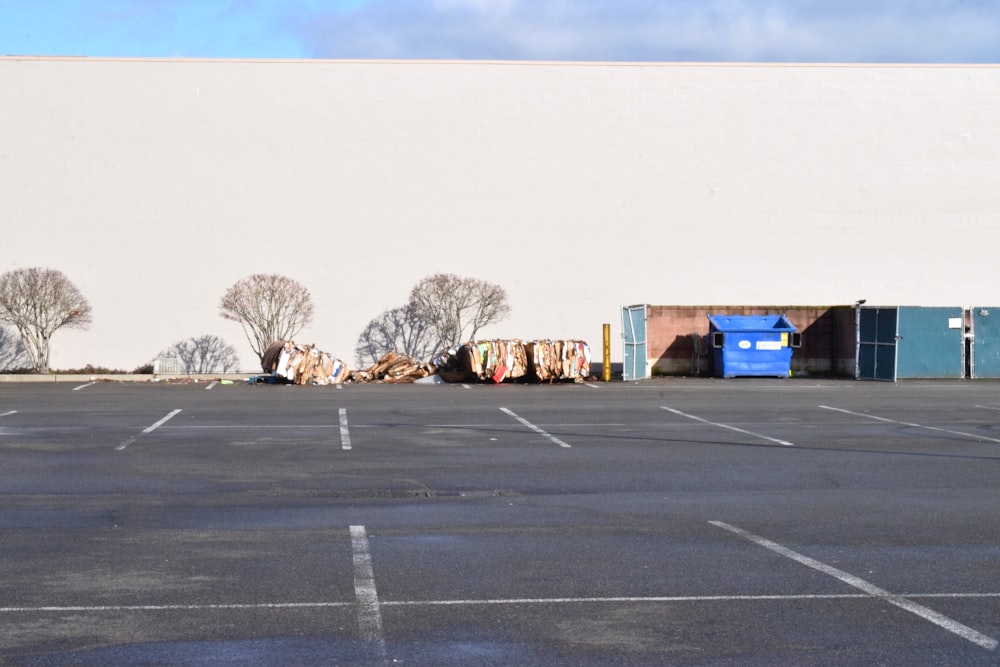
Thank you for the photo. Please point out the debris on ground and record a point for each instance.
(394, 368)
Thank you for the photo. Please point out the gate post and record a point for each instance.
(606, 362)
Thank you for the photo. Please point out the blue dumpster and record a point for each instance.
(752, 345)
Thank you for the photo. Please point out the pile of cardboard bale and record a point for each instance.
(501, 360)
(551, 360)
(303, 364)
(394, 368)
(498, 360)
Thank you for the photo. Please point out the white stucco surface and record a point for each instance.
(154, 185)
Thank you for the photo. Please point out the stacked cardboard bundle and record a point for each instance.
(497, 360)
(552, 360)
(474, 361)
(501, 360)
(303, 364)
(394, 368)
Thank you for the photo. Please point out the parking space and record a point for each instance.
(687, 522)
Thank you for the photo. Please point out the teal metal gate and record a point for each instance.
(910, 342)
(931, 343)
(634, 339)
(985, 348)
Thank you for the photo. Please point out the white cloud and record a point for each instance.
(738, 30)
(650, 30)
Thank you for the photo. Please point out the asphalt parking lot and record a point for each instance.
(686, 522)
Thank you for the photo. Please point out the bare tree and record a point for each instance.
(38, 302)
(12, 352)
(456, 307)
(396, 330)
(205, 354)
(269, 307)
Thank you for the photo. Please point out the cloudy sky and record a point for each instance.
(889, 31)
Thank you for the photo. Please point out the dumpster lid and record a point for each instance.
(750, 323)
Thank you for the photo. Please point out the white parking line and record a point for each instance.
(731, 428)
(669, 598)
(148, 429)
(175, 607)
(9, 413)
(901, 423)
(871, 589)
(84, 386)
(563, 425)
(255, 427)
(210, 385)
(535, 428)
(345, 434)
(369, 613)
(485, 601)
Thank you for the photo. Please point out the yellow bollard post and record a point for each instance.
(606, 362)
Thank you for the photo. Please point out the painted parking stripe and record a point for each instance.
(472, 602)
(534, 428)
(345, 433)
(369, 612)
(730, 428)
(874, 591)
(148, 429)
(9, 413)
(84, 386)
(563, 425)
(172, 607)
(212, 384)
(254, 427)
(981, 438)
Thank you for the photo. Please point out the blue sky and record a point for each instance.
(934, 31)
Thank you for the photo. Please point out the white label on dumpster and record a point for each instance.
(769, 345)
(744, 345)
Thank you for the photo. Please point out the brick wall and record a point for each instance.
(827, 337)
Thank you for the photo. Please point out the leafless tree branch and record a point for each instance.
(205, 354)
(12, 352)
(396, 330)
(37, 302)
(269, 307)
(456, 308)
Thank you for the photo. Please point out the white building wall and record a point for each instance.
(156, 184)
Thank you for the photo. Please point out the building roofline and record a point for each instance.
(510, 63)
